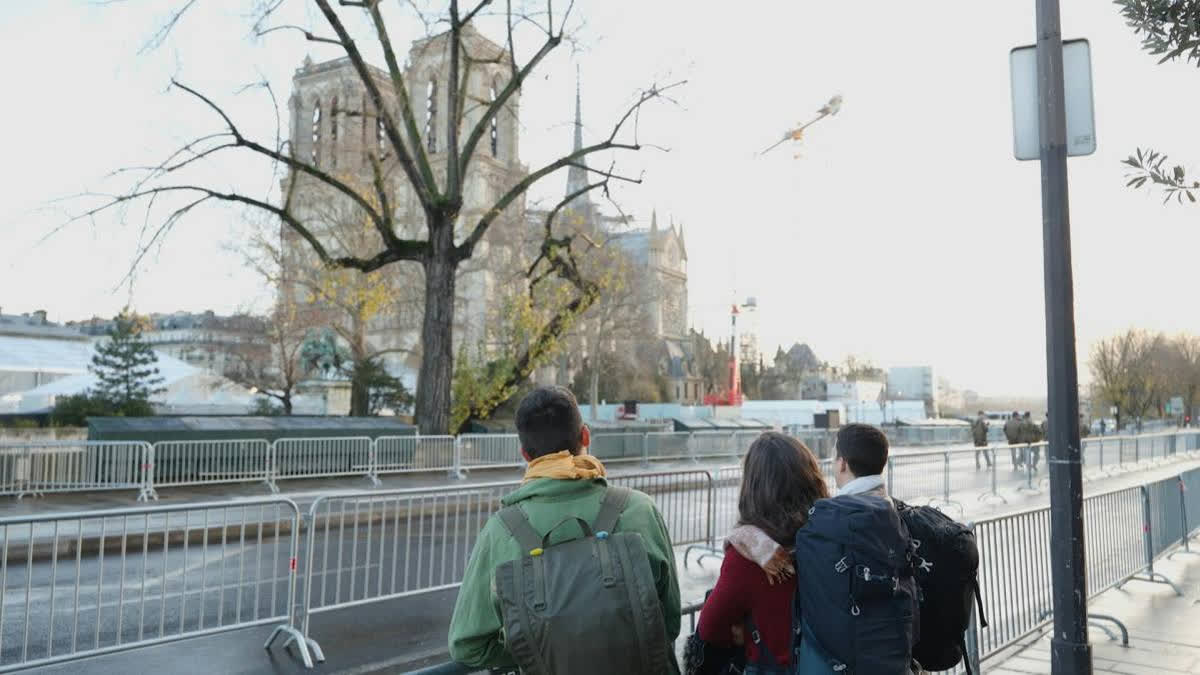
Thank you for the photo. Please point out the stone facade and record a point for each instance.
(335, 127)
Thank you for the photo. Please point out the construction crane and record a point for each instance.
(732, 394)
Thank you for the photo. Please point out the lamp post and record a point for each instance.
(1069, 648)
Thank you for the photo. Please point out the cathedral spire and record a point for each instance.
(654, 221)
(577, 175)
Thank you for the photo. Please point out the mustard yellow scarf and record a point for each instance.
(564, 466)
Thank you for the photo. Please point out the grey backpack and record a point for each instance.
(584, 606)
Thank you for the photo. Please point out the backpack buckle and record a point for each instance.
(925, 566)
(866, 572)
(756, 637)
(841, 566)
(854, 611)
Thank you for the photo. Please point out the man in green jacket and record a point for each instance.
(562, 481)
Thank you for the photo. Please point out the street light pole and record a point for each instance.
(1069, 649)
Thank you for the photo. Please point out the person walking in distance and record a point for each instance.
(1012, 434)
(571, 575)
(979, 433)
(1031, 434)
(752, 600)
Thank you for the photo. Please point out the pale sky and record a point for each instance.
(905, 232)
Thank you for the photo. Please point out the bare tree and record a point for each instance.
(437, 189)
(1125, 373)
(267, 354)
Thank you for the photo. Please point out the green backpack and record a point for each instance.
(588, 605)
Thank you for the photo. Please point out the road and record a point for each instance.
(370, 546)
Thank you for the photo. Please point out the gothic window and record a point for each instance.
(380, 137)
(333, 132)
(431, 115)
(316, 133)
(495, 125)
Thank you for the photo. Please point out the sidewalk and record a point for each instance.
(1164, 629)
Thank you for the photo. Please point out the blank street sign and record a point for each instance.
(1077, 77)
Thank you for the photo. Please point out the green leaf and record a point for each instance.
(1132, 181)
(1191, 197)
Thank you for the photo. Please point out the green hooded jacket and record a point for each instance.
(475, 628)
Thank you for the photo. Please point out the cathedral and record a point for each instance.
(334, 127)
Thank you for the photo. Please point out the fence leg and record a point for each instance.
(891, 479)
(456, 470)
(994, 493)
(371, 465)
(146, 493)
(1148, 540)
(1027, 453)
(1187, 530)
(271, 469)
(645, 451)
(1095, 619)
(946, 485)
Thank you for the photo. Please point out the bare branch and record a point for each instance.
(401, 89)
(308, 35)
(425, 192)
(291, 162)
(471, 14)
(467, 247)
(160, 36)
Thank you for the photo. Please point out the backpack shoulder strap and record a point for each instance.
(517, 524)
(615, 499)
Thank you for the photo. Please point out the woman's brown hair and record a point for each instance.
(780, 481)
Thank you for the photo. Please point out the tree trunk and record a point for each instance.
(286, 399)
(360, 389)
(432, 410)
(594, 393)
(359, 395)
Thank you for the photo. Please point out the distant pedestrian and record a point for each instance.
(1103, 426)
(979, 432)
(1012, 434)
(1030, 434)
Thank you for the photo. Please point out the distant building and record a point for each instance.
(853, 391)
(35, 352)
(659, 255)
(914, 383)
(203, 340)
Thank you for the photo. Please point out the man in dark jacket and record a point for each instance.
(979, 433)
(1012, 433)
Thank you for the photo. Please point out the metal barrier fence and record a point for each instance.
(177, 463)
(62, 466)
(408, 454)
(371, 547)
(87, 583)
(70, 466)
(321, 457)
(480, 451)
(78, 584)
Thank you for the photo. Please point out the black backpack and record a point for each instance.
(946, 568)
(856, 601)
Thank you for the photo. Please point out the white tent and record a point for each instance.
(189, 390)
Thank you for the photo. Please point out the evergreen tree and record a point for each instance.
(126, 367)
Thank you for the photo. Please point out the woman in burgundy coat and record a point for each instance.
(752, 601)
